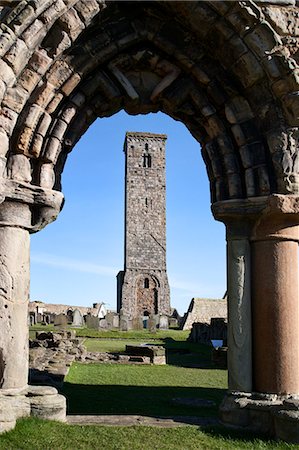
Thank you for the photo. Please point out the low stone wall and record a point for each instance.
(204, 333)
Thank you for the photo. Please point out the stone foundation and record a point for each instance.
(271, 415)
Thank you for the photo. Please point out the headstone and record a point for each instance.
(77, 319)
(124, 322)
(60, 321)
(103, 323)
(92, 322)
(151, 325)
(163, 325)
(115, 323)
(109, 319)
(137, 323)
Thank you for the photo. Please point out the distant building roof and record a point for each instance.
(203, 310)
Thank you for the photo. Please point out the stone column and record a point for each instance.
(239, 311)
(238, 217)
(28, 209)
(14, 294)
(275, 297)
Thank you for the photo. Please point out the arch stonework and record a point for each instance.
(229, 72)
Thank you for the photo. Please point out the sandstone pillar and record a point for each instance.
(14, 294)
(275, 297)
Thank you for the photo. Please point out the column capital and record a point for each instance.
(260, 218)
(279, 220)
(27, 206)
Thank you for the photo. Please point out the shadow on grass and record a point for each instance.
(188, 354)
(140, 400)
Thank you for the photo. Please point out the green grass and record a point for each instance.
(177, 335)
(34, 434)
(146, 390)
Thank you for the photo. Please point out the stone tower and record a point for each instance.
(143, 288)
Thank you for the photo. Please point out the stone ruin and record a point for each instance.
(214, 334)
(229, 72)
(52, 353)
(204, 333)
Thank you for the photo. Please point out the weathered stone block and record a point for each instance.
(248, 70)
(6, 73)
(17, 56)
(71, 23)
(40, 62)
(51, 407)
(15, 98)
(18, 168)
(34, 34)
(87, 9)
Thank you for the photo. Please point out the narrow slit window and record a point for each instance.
(147, 161)
(146, 283)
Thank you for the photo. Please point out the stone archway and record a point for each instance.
(229, 71)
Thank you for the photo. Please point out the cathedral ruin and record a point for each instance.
(142, 288)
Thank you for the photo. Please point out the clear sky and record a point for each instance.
(75, 260)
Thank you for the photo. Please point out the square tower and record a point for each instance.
(143, 288)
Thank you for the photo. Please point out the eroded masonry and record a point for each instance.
(143, 289)
(229, 72)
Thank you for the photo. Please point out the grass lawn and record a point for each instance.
(33, 434)
(146, 390)
(138, 390)
(178, 335)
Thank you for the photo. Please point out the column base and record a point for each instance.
(274, 416)
(38, 401)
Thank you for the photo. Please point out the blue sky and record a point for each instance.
(75, 260)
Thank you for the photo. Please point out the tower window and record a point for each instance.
(147, 161)
(146, 147)
(146, 283)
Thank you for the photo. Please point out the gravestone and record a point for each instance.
(109, 320)
(137, 323)
(163, 324)
(115, 322)
(151, 324)
(92, 322)
(78, 320)
(103, 324)
(124, 322)
(60, 321)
